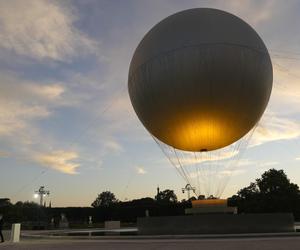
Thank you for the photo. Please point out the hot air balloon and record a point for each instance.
(199, 81)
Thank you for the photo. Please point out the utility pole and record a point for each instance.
(42, 193)
(188, 188)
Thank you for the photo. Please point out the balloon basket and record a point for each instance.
(210, 206)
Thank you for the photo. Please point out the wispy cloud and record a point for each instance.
(286, 91)
(4, 154)
(268, 163)
(245, 162)
(189, 158)
(141, 170)
(112, 146)
(274, 128)
(41, 29)
(230, 173)
(254, 12)
(22, 102)
(50, 91)
(248, 162)
(62, 161)
(15, 116)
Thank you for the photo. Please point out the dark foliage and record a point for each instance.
(105, 199)
(166, 196)
(4, 202)
(28, 212)
(106, 207)
(271, 193)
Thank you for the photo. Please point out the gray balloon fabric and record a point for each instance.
(200, 79)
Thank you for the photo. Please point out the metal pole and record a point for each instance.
(41, 199)
(41, 193)
(188, 188)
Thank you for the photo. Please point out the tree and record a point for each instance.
(4, 202)
(273, 192)
(193, 198)
(166, 196)
(104, 199)
(25, 212)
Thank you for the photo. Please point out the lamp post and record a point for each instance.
(188, 188)
(41, 193)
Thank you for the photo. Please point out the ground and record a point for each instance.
(258, 243)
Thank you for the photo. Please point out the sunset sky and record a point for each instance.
(66, 120)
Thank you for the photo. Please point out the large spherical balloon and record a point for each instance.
(200, 79)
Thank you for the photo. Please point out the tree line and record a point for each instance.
(271, 193)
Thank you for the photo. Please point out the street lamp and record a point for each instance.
(41, 193)
(188, 188)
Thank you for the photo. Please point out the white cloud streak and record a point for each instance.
(22, 102)
(62, 161)
(189, 159)
(48, 92)
(112, 146)
(275, 128)
(263, 10)
(41, 29)
(141, 170)
(15, 116)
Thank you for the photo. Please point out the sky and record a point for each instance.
(66, 121)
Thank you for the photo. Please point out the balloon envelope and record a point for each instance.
(200, 79)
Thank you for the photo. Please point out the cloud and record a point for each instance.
(50, 91)
(286, 89)
(239, 168)
(254, 12)
(243, 167)
(62, 161)
(112, 146)
(41, 29)
(274, 128)
(248, 162)
(4, 154)
(141, 170)
(268, 163)
(120, 108)
(265, 166)
(22, 102)
(14, 116)
(230, 173)
(189, 158)
(245, 162)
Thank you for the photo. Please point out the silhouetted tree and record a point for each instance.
(273, 192)
(201, 197)
(211, 197)
(104, 199)
(4, 202)
(193, 198)
(166, 196)
(27, 211)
